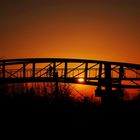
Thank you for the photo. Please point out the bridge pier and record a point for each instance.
(108, 95)
(112, 98)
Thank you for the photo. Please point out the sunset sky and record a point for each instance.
(88, 29)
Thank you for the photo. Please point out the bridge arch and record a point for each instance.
(92, 72)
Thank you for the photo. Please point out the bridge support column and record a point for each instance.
(99, 91)
(54, 69)
(108, 81)
(110, 96)
(107, 97)
(86, 69)
(65, 70)
(121, 76)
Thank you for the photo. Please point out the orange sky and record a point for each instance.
(88, 29)
(91, 29)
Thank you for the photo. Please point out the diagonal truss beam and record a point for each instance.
(85, 70)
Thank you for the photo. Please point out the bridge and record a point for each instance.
(102, 74)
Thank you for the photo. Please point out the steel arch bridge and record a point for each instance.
(90, 72)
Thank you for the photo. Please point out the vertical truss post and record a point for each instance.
(86, 71)
(65, 70)
(33, 69)
(98, 91)
(54, 68)
(121, 75)
(100, 76)
(108, 81)
(121, 72)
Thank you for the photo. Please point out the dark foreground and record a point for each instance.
(32, 112)
(24, 116)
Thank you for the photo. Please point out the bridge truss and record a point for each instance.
(102, 74)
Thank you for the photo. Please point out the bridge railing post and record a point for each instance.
(54, 68)
(100, 76)
(65, 70)
(86, 71)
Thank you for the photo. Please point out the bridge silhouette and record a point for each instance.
(102, 74)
